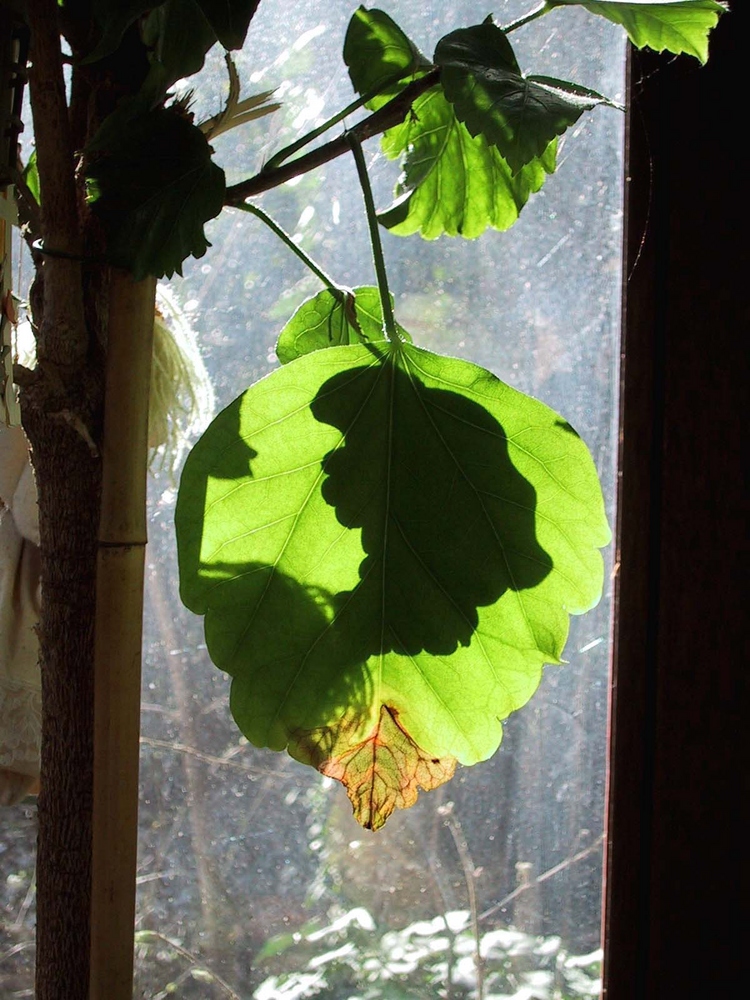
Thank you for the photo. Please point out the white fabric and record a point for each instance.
(20, 685)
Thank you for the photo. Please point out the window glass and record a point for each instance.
(253, 878)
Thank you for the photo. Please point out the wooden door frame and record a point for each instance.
(674, 798)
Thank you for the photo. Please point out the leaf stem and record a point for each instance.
(283, 154)
(338, 290)
(392, 113)
(543, 8)
(389, 320)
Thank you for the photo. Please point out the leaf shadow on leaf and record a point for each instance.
(275, 635)
(301, 664)
(565, 426)
(236, 462)
(447, 521)
(320, 590)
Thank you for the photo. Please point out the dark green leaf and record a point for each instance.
(109, 134)
(155, 188)
(517, 114)
(452, 182)
(378, 53)
(114, 18)
(230, 19)
(333, 320)
(677, 26)
(386, 545)
(178, 35)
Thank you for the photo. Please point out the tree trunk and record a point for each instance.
(68, 478)
(61, 402)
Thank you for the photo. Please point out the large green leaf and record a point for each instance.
(155, 187)
(386, 545)
(520, 115)
(331, 320)
(377, 52)
(454, 183)
(676, 25)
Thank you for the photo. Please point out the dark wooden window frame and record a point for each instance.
(673, 866)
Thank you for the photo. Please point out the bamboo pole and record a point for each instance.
(117, 647)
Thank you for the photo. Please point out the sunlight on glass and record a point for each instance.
(490, 885)
(254, 880)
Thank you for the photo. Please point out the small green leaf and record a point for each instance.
(31, 177)
(333, 320)
(386, 545)
(147, 937)
(274, 946)
(155, 187)
(517, 114)
(230, 19)
(378, 53)
(452, 182)
(677, 25)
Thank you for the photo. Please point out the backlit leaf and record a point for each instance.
(155, 187)
(31, 177)
(377, 52)
(677, 26)
(454, 183)
(382, 772)
(519, 115)
(333, 320)
(386, 546)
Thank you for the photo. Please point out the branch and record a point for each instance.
(392, 113)
(550, 873)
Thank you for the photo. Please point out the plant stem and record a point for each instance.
(276, 171)
(285, 238)
(392, 113)
(283, 154)
(389, 321)
(543, 8)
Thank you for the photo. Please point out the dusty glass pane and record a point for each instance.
(253, 879)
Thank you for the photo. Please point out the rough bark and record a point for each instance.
(68, 477)
(61, 405)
